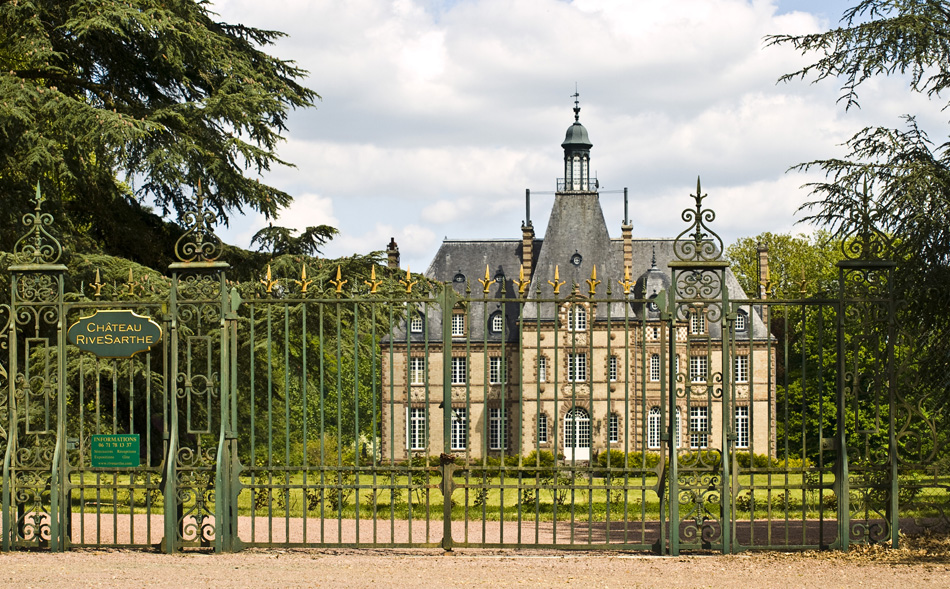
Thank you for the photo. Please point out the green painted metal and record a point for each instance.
(282, 416)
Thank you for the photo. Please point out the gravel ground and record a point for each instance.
(920, 562)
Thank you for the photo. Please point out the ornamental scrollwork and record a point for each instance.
(199, 243)
(698, 242)
(37, 245)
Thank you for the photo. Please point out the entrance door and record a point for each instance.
(577, 435)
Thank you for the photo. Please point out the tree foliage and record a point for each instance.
(113, 105)
(281, 240)
(893, 183)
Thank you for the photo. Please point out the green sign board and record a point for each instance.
(115, 451)
(115, 333)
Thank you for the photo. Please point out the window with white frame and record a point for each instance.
(653, 428)
(417, 370)
(742, 426)
(577, 367)
(655, 368)
(497, 323)
(496, 370)
(698, 426)
(415, 323)
(542, 369)
(613, 428)
(697, 322)
(577, 318)
(742, 369)
(542, 428)
(497, 429)
(416, 428)
(459, 428)
(459, 370)
(612, 368)
(698, 368)
(678, 426)
(458, 324)
(740, 321)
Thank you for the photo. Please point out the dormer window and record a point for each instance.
(415, 323)
(497, 323)
(741, 319)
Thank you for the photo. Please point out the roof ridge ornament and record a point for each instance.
(37, 243)
(199, 243)
(577, 109)
(698, 242)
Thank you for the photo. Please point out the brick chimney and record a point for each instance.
(392, 252)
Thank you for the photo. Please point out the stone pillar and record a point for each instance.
(527, 250)
(627, 231)
(764, 280)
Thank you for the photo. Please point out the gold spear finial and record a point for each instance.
(592, 282)
(557, 284)
(131, 283)
(486, 282)
(97, 285)
(626, 283)
(268, 282)
(303, 283)
(372, 282)
(339, 282)
(408, 282)
(521, 282)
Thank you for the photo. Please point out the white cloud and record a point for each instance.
(436, 116)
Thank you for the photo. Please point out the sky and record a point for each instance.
(436, 115)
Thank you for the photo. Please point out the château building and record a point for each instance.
(559, 343)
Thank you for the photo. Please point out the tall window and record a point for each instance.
(416, 428)
(653, 428)
(577, 367)
(458, 324)
(742, 369)
(698, 368)
(742, 426)
(655, 368)
(697, 322)
(497, 429)
(459, 370)
(577, 318)
(698, 426)
(543, 428)
(459, 428)
(497, 323)
(613, 428)
(496, 370)
(417, 370)
(542, 369)
(612, 368)
(415, 323)
(678, 426)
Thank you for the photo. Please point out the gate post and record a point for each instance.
(37, 297)
(447, 300)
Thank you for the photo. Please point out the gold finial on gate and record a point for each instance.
(372, 282)
(803, 283)
(97, 285)
(408, 282)
(626, 283)
(557, 284)
(486, 282)
(521, 282)
(339, 282)
(303, 283)
(131, 284)
(268, 282)
(592, 282)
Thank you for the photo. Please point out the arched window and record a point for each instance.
(741, 321)
(497, 323)
(653, 428)
(577, 434)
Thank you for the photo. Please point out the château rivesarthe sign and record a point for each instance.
(118, 333)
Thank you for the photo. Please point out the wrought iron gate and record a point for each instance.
(400, 413)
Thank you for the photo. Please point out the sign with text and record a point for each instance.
(115, 334)
(115, 451)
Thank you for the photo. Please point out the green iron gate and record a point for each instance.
(396, 412)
